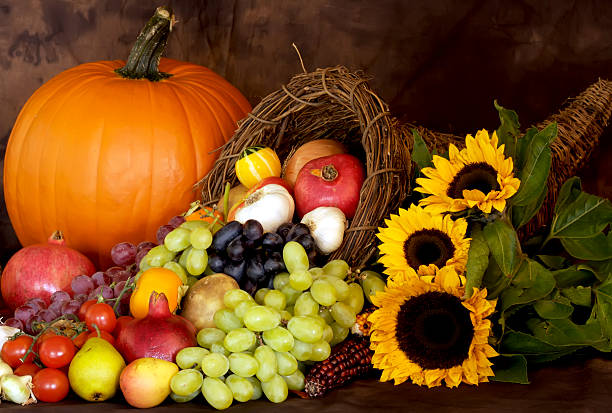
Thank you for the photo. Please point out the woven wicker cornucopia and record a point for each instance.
(331, 103)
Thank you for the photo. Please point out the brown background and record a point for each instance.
(437, 62)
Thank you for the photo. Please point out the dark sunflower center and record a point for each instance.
(480, 175)
(434, 330)
(428, 246)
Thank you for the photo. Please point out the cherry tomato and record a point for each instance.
(102, 315)
(121, 323)
(80, 339)
(105, 335)
(44, 336)
(27, 369)
(50, 385)
(56, 351)
(13, 350)
(84, 307)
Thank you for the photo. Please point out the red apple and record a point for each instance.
(333, 181)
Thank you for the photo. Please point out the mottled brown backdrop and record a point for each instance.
(437, 62)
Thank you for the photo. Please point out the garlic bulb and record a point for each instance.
(327, 225)
(17, 389)
(5, 369)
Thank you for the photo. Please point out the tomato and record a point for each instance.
(56, 351)
(105, 335)
(50, 385)
(80, 339)
(13, 350)
(44, 336)
(121, 322)
(27, 369)
(84, 307)
(102, 315)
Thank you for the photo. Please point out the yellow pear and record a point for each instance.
(95, 369)
(145, 382)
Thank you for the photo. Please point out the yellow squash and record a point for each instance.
(257, 163)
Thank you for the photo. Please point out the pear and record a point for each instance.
(95, 370)
(145, 382)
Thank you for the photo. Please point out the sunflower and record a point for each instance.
(478, 175)
(422, 331)
(415, 238)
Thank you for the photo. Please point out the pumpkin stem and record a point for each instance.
(144, 58)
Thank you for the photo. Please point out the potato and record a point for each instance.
(205, 297)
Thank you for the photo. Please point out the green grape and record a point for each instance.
(323, 292)
(266, 358)
(191, 280)
(207, 336)
(239, 340)
(219, 348)
(280, 280)
(300, 280)
(301, 351)
(286, 363)
(306, 305)
(216, 393)
(183, 258)
(177, 239)
(305, 329)
(260, 318)
(371, 282)
(201, 238)
(295, 381)
(320, 351)
(276, 300)
(158, 256)
(192, 225)
(184, 399)
(316, 272)
(279, 338)
(290, 294)
(215, 364)
(340, 334)
(325, 314)
(242, 308)
(341, 287)
(328, 333)
(257, 392)
(185, 382)
(295, 257)
(144, 264)
(243, 364)
(260, 294)
(355, 298)
(226, 320)
(276, 389)
(343, 314)
(235, 296)
(191, 357)
(319, 320)
(241, 388)
(337, 268)
(285, 316)
(197, 260)
(176, 268)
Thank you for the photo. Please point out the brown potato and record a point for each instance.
(205, 297)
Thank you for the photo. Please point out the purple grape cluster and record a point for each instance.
(36, 310)
(165, 229)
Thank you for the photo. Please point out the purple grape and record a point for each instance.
(103, 290)
(60, 296)
(145, 245)
(71, 307)
(101, 278)
(48, 315)
(82, 284)
(123, 253)
(80, 298)
(36, 303)
(162, 232)
(112, 271)
(118, 288)
(13, 322)
(24, 313)
(56, 306)
(122, 276)
(30, 324)
(175, 221)
(141, 254)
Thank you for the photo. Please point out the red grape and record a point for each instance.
(81, 298)
(112, 271)
(123, 253)
(24, 313)
(60, 296)
(48, 315)
(36, 303)
(71, 307)
(30, 324)
(101, 278)
(141, 255)
(56, 306)
(122, 276)
(103, 290)
(13, 322)
(118, 288)
(176, 221)
(82, 284)
(145, 245)
(162, 232)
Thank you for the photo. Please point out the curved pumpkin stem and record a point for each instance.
(144, 58)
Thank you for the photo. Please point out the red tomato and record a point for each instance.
(50, 385)
(27, 369)
(121, 322)
(13, 350)
(105, 335)
(44, 336)
(102, 315)
(56, 351)
(80, 339)
(84, 307)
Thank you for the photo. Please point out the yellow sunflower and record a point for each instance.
(422, 331)
(479, 175)
(415, 238)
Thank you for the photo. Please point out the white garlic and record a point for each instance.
(327, 225)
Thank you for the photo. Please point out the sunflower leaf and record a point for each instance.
(564, 332)
(532, 282)
(536, 166)
(420, 154)
(522, 144)
(601, 269)
(582, 217)
(504, 245)
(518, 342)
(578, 295)
(478, 261)
(553, 309)
(509, 130)
(510, 368)
(523, 214)
(554, 262)
(573, 277)
(568, 193)
(597, 248)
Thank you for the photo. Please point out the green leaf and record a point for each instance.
(478, 261)
(517, 342)
(521, 148)
(509, 130)
(510, 368)
(503, 244)
(603, 307)
(564, 332)
(546, 358)
(532, 282)
(554, 262)
(601, 269)
(582, 218)
(537, 166)
(553, 309)
(420, 153)
(568, 193)
(597, 248)
(578, 295)
(573, 276)
(523, 214)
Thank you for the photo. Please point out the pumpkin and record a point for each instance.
(108, 151)
(306, 153)
(256, 163)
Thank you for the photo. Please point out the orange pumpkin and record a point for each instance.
(108, 154)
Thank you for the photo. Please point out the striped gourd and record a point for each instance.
(256, 163)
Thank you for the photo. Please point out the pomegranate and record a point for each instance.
(159, 335)
(40, 270)
(330, 181)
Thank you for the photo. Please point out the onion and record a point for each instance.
(5, 369)
(306, 153)
(17, 389)
(327, 225)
